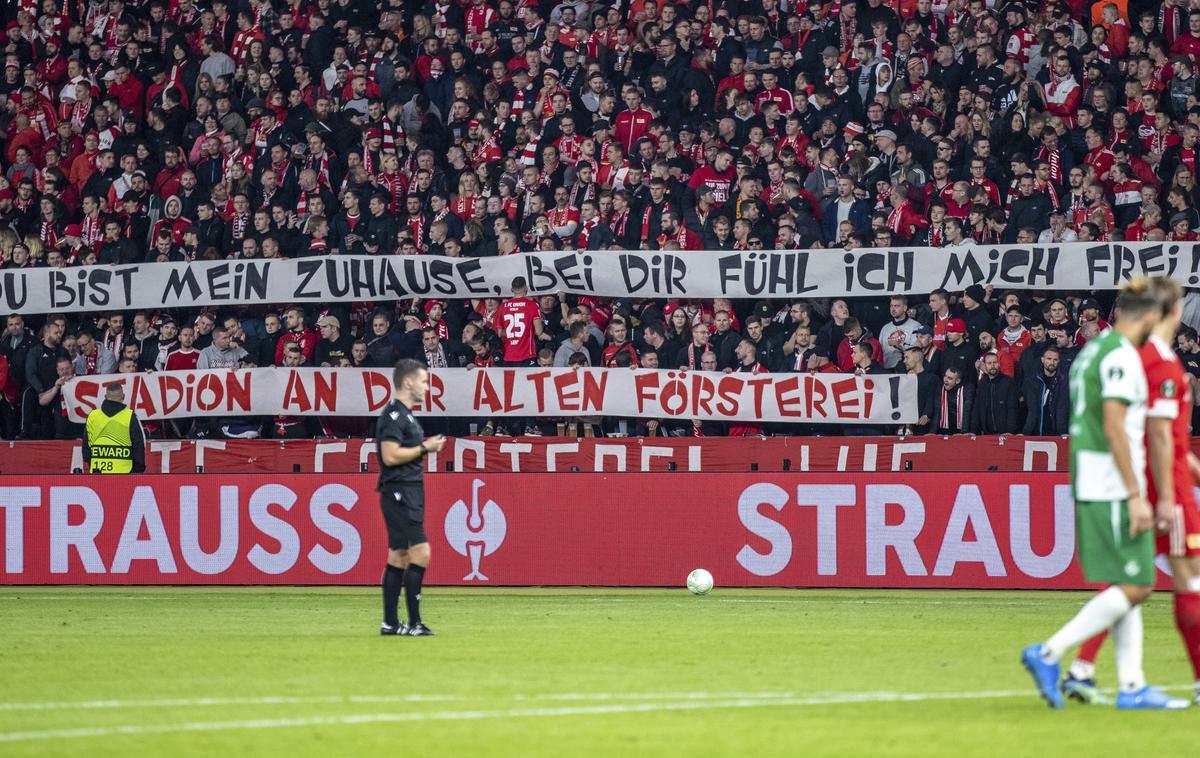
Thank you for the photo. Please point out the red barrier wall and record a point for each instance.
(539, 454)
(833, 530)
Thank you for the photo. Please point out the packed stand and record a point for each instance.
(182, 130)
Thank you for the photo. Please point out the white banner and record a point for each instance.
(639, 274)
(485, 393)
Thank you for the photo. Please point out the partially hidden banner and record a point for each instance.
(639, 274)
(483, 393)
(816, 530)
(568, 455)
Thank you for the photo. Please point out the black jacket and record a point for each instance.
(723, 346)
(995, 405)
(977, 321)
(381, 232)
(962, 357)
(1030, 363)
(148, 347)
(770, 352)
(1032, 212)
(41, 366)
(339, 230)
(122, 251)
(14, 351)
(951, 422)
(928, 389)
(1047, 404)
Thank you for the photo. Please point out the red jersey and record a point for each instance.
(517, 316)
(720, 182)
(307, 340)
(609, 358)
(630, 126)
(1170, 397)
(181, 361)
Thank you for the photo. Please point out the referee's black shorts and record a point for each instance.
(403, 506)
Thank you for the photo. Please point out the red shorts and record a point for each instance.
(1183, 536)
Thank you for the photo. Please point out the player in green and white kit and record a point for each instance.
(1110, 369)
(1114, 522)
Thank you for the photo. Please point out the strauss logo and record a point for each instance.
(475, 531)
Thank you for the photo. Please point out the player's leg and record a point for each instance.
(1080, 683)
(1185, 578)
(418, 556)
(1183, 553)
(1100, 555)
(1136, 556)
(1128, 637)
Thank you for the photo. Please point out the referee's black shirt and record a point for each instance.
(398, 424)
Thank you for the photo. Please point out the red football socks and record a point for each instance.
(1091, 648)
(1187, 620)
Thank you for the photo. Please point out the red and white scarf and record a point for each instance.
(958, 415)
(619, 220)
(280, 170)
(439, 19)
(585, 233)
(416, 225)
(91, 231)
(518, 103)
(394, 184)
(529, 153)
(48, 234)
(393, 136)
(373, 64)
(936, 235)
(321, 167)
(895, 221)
(646, 219)
(1053, 158)
(79, 113)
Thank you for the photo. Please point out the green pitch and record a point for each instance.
(301, 671)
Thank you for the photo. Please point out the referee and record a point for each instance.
(401, 445)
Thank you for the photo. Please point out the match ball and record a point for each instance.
(699, 582)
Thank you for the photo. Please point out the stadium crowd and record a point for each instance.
(184, 130)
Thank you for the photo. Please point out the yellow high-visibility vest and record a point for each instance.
(110, 442)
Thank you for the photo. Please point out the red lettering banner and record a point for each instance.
(827, 530)
(482, 393)
(575, 454)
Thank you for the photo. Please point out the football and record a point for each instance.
(699, 582)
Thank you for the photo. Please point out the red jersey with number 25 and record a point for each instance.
(516, 316)
(1171, 398)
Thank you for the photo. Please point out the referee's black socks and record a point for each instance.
(412, 592)
(393, 581)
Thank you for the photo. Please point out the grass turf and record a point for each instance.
(302, 671)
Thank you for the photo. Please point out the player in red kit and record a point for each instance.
(521, 325)
(520, 321)
(1173, 470)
